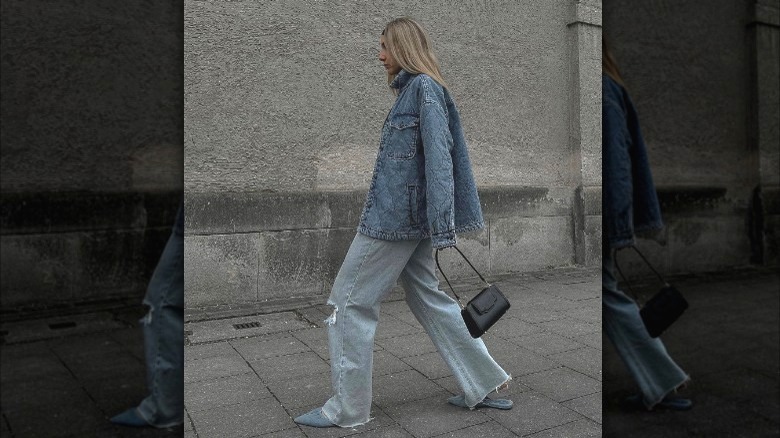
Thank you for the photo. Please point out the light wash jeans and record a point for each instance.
(369, 272)
(646, 358)
(163, 328)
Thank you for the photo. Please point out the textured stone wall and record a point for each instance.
(290, 96)
(91, 96)
(91, 171)
(704, 81)
(764, 126)
(284, 102)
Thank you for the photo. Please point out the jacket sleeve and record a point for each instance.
(617, 177)
(440, 191)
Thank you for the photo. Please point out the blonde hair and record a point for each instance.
(608, 64)
(408, 44)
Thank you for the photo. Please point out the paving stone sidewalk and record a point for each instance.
(249, 376)
(728, 341)
(66, 375)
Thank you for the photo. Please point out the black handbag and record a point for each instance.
(663, 309)
(483, 310)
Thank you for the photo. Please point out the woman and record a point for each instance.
(422, 194)
(630, 206)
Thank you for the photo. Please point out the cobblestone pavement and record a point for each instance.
(65, 376)
(252, 380)
(728, 342)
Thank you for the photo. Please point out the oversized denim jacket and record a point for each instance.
(422, 184)
(630, 200)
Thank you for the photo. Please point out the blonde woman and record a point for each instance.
(422, 193)
(631, 207)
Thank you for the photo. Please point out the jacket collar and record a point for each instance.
(401, 79)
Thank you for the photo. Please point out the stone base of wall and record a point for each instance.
(708, 229)
(68, 249)
(245, 248)
(770, 206)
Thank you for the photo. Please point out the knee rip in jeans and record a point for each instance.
(147, 319)
(331, 320)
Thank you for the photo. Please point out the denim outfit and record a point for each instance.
(422, 184)
(630, 204)
(421, 194)
(163, 327)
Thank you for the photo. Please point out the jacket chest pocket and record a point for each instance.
(401, 142)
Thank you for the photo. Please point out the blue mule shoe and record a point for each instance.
(487, 402)
(314, 418)
(129, 417)
(675, 403)
(670, 402)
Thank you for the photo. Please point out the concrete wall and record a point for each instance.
(284, 101)
(704, 79)
(91, 147)
(764, 124)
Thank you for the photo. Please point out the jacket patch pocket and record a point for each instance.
(412, 189)
(402, 139)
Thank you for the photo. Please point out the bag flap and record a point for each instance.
(484, 301)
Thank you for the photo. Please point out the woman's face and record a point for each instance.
(386, 58)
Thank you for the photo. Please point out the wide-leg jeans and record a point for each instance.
(163, 328)
(369, 272)
(646, 358)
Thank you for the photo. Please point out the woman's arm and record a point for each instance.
(440, 190)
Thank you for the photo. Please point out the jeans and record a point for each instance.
(163, 328)
(369, 272)
(646, 358)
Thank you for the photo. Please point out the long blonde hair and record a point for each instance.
(409, 45)
(608, 64)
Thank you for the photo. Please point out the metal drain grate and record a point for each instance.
(246, 325)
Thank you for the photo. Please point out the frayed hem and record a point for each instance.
(680, 385)
(500, 387)
(346, 426)
(504, 385)
(684, 384)
(350, 426)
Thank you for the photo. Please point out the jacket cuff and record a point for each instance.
(443, 240)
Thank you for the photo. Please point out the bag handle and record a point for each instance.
(448, 281)
(636, 297)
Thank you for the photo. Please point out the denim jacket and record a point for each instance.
(422, 184)
(630, 199)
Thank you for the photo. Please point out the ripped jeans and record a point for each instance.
(163, 328)
(368, 274)
(646, 358)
